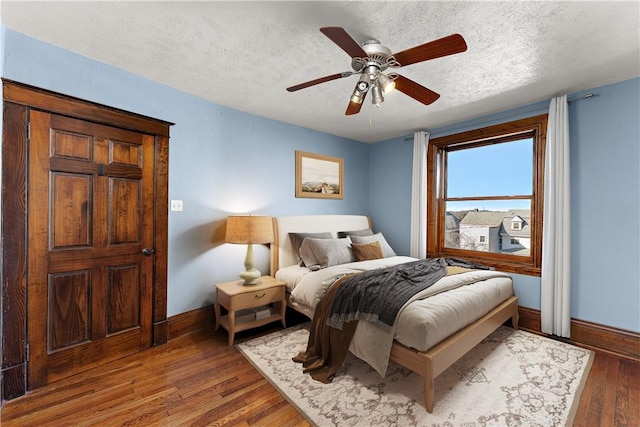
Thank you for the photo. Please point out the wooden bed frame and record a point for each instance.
(429, 364)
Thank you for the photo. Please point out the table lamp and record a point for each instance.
(249, 229)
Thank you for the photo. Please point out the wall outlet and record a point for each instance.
(176, 206)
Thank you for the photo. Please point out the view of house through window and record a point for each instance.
(481, 214)
(485, 195)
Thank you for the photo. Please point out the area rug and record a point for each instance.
(512, 378)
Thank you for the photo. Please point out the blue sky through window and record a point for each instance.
(504, 169)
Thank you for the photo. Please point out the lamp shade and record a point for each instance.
(249, 229)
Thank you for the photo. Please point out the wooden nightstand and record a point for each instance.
(234, 296)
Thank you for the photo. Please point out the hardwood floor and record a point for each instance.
(197, 380)
(611, 396)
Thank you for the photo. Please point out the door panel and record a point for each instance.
(71, 210)
(125, 154)
(123, 292)
(69, 145)
(125, 196)
(69, 309)
(91, 211)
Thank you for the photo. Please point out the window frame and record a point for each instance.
(535, 127)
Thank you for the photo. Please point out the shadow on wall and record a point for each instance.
(198, 240)
(219, 232)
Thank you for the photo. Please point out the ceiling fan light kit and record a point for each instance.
(372, 58)
(387, 84)
(376, 95)
(360, 91)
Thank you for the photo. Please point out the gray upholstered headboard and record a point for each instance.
(281, 252)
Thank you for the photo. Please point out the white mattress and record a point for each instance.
(424, 323)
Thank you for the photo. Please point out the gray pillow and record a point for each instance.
(326, 252)
(365, 232)
(378, 237)
(297, 238)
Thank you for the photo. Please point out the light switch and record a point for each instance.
(176, 206)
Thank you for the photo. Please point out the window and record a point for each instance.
(491, 181)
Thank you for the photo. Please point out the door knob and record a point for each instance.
(147, 252)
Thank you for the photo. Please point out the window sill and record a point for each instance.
(500, 265)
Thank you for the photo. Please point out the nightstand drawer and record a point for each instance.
(258, 298)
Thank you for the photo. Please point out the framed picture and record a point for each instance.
(319, 176)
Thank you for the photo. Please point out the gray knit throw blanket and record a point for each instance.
(378, 295)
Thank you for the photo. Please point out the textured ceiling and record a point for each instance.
(244, 54)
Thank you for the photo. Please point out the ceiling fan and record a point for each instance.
(372, 58)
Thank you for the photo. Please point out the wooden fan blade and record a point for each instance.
(431, 50)
(415, 90)
(340, 37)
(354, 107)
(318, 81)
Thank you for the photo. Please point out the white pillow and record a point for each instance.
(326, 252)
(387, 251)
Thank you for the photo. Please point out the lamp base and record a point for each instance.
(250, 277)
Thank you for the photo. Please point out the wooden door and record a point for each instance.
(91, 232)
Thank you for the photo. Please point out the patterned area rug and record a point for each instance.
(512, 378)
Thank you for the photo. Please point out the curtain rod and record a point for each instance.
(585, 96)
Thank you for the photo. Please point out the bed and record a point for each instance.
(417, 342)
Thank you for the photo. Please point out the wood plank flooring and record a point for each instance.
(197, 380)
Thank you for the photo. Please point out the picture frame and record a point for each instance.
(319, 176)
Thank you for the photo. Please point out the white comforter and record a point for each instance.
(371, 344)
(307, 287)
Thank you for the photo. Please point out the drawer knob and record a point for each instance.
(259, 296)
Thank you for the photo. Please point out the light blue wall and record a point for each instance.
(222, 161)
(605, 201)
(390, 166)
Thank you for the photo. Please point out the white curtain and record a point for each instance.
(556, 232)
(418, 242)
